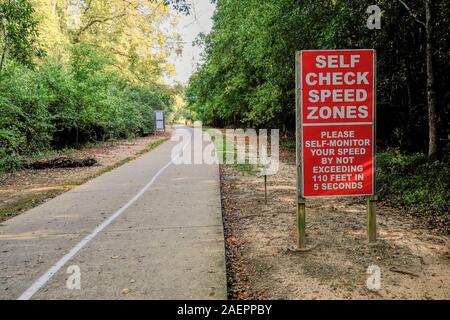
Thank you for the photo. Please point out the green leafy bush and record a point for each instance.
(25, 125)
(411, 180)
(64, 105)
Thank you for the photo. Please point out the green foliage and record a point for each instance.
(288, 143)
(248, 75)
(58, 106)
(411, 180)
(96, 88)
(18, 32)
(25, 125)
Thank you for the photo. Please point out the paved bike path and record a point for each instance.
(147, 230)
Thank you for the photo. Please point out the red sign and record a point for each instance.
(337, 112)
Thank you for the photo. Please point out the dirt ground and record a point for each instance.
(414, 261)
(24, 189)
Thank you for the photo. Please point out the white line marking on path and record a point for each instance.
(58, 265)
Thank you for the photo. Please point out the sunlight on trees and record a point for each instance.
(67, 80)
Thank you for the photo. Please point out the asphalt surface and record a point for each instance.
(147, 230)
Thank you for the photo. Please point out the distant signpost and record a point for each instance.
(336, 111)
(160, 121)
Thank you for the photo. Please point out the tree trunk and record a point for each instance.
(54, 7)
(77, 133)
(5, 44)
(433, 135)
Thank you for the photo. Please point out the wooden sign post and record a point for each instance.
(335, 124)
(301, 203)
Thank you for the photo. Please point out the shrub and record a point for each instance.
(413, 181)
(25, 122)
(59, 105)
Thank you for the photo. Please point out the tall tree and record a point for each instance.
(131, 32)
(52, 27)
(433, 123)
(18, 32)
(433, 136)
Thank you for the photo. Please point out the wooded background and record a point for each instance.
(79, 71)
(74, 72)
(248, 76)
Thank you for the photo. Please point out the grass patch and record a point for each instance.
(27, 203)
(223, 146)
(246, 168)
(152, 145)
(288, 143)
(226, 147)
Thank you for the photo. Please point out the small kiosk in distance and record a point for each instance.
(160, 122)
